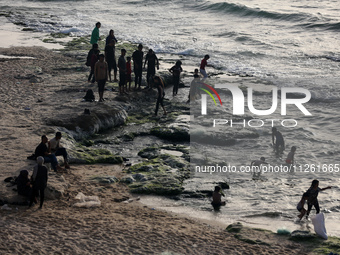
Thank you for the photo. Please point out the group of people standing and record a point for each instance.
(102, 65)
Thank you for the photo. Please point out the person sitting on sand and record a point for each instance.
(42, 150)
(300, 205)
(55, 147)
(279, 142)
(23, 184)
(256, 166)
(39, 180)
(217, 195)
(128, 74)
(290, 157)
(312, 194)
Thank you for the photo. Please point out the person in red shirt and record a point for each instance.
(128, 73)
(204, 63)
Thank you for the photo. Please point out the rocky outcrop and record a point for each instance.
(163, 174)
(84, 125)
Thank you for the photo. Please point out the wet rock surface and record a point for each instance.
(161, 174)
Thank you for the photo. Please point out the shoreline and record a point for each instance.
(27, 141)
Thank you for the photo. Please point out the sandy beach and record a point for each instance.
(119, 225)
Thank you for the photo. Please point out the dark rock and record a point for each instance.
(235, 227)
(176, 134)
(122, 199)
(150, 152)
(299, 235)
(105, 179)
(127, 179)
(163, 175)
(85, 125)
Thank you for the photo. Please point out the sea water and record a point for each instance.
(270, 44)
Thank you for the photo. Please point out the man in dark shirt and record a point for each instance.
(111, 59)
(42, 150)
(122, 70)
(24, 184)
(152, 60)
(312, 196)
(279, 141)
(39, 179)
(137, 57)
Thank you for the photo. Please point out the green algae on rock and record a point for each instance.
(85, 155)
(163, 174)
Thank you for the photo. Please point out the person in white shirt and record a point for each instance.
(55, 148)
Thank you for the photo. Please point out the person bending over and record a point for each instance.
(312, 194)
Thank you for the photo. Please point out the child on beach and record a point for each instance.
(300, 205)
(101, 75)
(196, 75)
(176, 72)
(256, 167)
(312, 195)
(217, 195)
(94, 59)
(89, 54)
(193, 92)
(290, 157)
(128, 74)
(122, 71)
(23, 184)
(204, 63)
